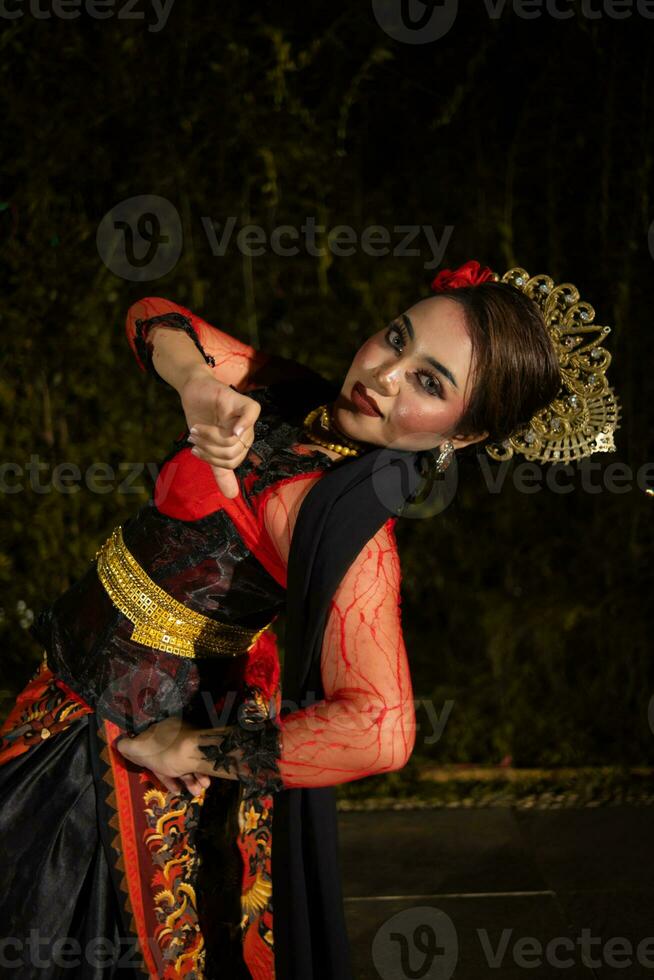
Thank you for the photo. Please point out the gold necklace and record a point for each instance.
(346, 447)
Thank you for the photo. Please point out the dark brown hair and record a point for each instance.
(515, 369)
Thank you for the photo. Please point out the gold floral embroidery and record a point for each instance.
(171, 840)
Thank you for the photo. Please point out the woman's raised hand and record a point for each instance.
(221, 421)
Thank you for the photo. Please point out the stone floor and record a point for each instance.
(476, 893)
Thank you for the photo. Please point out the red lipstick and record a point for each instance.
(364, 402)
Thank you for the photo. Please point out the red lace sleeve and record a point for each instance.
(366, 722)
(233, 362)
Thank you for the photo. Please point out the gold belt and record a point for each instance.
(160, 621)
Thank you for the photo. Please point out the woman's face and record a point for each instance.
(409, 384)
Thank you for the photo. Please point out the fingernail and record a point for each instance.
(238, 431)
(193, 430)
(195, 450)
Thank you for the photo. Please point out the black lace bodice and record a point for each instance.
(202, 563)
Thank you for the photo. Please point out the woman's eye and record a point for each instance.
(394, 338)
(431, 384)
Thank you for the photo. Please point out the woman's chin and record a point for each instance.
(356, 426)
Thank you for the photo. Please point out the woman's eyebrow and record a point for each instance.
(431, 360)
(409, 326)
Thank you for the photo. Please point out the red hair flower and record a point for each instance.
(468, 274)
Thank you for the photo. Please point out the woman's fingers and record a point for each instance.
(209, 437)
(195, 783)
(172, 784)
(235, 412)
(212, 434)
(217, 411)
(247, 416)
(223, 454)
(225, 443)
(214, 457)
(227, 482)
(215, 451)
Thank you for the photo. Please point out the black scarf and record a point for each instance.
(339, 515)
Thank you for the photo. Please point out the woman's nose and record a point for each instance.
(388, 378)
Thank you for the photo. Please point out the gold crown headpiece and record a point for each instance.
(583, 416)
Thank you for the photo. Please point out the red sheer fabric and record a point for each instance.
(366, 722)
(234, 362)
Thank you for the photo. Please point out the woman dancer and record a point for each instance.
(280, 482)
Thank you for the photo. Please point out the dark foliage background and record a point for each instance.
(532, 139)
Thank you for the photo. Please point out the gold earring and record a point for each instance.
(445, 456)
